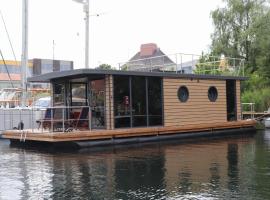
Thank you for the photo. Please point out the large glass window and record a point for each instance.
(139, 117)
(78, 94)
(59, 94)
(97, 101)
(143, 107)
(154, 101)
(121, 101)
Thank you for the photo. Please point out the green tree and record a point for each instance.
(104, 67)
(241, 29)
(235, 30)
(261, 45)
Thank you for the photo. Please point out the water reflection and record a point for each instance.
(222, 168)
(232, 157)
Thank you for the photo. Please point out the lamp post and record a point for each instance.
(86, 10)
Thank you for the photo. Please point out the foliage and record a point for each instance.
(255, 82)
(260, 97)
(241, 29)
(235, 29)
(207, 64)
(104, 67)
(124, 67)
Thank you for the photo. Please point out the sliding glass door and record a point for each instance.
(137, 101)
(122, 109)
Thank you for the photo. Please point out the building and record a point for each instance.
(10, 71)
(187, 67)
(150, 58)
(14, 77)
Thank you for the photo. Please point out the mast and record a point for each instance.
(24, 57)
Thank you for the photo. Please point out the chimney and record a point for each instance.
(148, 49)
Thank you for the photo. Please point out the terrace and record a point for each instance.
(182, 63)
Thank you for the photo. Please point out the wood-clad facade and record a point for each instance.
(198, 109)
(109, 109)
(143, 99)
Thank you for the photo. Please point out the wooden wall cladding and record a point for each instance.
(198, 109)
(109, 111)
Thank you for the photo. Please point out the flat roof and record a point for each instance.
(78, 73)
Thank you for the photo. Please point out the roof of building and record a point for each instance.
(79, 73)
(155, 55)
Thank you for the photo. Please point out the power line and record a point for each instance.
(8, 37)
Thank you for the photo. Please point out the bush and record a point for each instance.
(261, 98)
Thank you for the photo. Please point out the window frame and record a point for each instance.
(183, 88)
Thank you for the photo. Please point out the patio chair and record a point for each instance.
(47, 116)
(80, 121)
(53, 118)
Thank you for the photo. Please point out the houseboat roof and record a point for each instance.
(78, 73)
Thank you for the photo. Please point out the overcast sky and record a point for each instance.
(115, 36)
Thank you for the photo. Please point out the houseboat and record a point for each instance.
(94, 107)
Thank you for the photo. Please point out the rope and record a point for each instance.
(6, 69)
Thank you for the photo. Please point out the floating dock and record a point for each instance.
(120, 136)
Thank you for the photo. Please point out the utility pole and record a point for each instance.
(24, 57)
(53, 46)
(86, 10)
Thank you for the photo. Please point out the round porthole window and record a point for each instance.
(183, 94)
(212, 94)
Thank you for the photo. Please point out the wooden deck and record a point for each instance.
(121, 133)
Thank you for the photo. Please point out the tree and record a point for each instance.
(104, 67)
(261, 45)
(241, 29)
(235, 29)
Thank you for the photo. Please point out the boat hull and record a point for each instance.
(267, 122)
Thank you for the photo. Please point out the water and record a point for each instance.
(228, 168)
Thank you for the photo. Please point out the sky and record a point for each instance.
(115, 35)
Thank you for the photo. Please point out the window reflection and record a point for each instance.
(97, 88)
(78, 94)
(139, 101)
(58, 94)
(155, 101)
(121, 101)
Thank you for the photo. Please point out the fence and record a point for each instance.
(187, 64)
(49, 119)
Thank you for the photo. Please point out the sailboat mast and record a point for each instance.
(24, 57)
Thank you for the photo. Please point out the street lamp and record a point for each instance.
(86, 10)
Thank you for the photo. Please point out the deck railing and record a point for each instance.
(51, 119)
(187, 64)
(248, 110)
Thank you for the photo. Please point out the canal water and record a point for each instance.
(224, 168)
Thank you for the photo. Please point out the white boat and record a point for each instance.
(267, 122)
